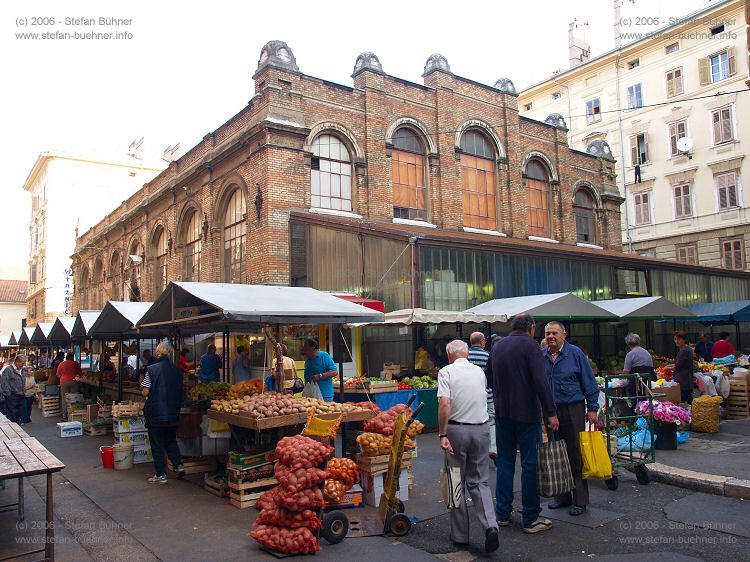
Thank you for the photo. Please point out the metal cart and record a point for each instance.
(619, 412)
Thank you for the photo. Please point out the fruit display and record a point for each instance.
(709, 367)
(210, 390)
(287, 521)
(403, 386)
(664, 373)
(374, 444)
(322, 407)
(246, 388)
(368, 406)
(353, 382)
(425, 381)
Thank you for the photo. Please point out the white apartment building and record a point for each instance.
(674, 107)
(69, 194)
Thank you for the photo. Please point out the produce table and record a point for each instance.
(385, 400)
(283, 421)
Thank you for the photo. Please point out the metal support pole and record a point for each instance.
(119, 372)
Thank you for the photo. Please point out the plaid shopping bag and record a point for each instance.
(553, 474)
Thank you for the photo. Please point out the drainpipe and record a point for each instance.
(628, 237)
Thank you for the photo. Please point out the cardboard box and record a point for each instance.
(250, 474)
(374, 487)
(671, 393)
(128, 425)
(134, 437)
(142, 453)
(355, 497)
(69, 429)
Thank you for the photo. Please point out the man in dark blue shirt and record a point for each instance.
(704, 348)
(210, 363)
(577, 400)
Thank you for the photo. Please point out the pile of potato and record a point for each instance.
(328, 407)
(229, 406)
(270, 405)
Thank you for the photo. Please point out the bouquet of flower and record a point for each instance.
(665, 412)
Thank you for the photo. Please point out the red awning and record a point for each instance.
(369, 303)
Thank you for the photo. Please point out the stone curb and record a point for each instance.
(700, 481)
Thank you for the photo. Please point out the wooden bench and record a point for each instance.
(22, 456)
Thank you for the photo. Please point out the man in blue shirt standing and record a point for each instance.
(319, 368)
(210, 365)
(576, 397)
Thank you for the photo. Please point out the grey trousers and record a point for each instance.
(471, 454)
(491, 426)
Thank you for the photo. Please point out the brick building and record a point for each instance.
(449, 155)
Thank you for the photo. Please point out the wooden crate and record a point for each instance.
(49, 405)
(376, 465)
(97, 429)
(127, 409)
(217, 487)
(738, 402)
(195, 465)
(246, 494)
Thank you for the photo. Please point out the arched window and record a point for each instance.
(583, 208)
(409, 189)
(234, 238)
(115, 277)
(331, 177)
(97, 286)
(160, 269)
(538, 199)
(478, 181)
(83, 289)
(135, 268)
(193, 232)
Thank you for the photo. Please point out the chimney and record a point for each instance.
(579, 49)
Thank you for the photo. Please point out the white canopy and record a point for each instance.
(644, 308)
(41, 332)
(26, 333)
(84, 321)
(205, 307)
(557, 306)
(416, 316)
(118, 318)
(4, 341)
(61, 330)
(14, 337)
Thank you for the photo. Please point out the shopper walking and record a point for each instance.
(162, 387)
(683, 366)
(479, 356)
(577, 400)
(12, 386)
(519, 385)
(462, 418)
(67, 371)
(29, 393)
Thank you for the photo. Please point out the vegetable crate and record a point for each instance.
(127, 409)
(738, 402)
(619, 413)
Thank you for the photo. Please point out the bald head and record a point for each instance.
(477, 339)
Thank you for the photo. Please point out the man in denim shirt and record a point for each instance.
(577, 400)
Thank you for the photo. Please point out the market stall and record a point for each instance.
(60, 334)
(722, 314)
(192, 308)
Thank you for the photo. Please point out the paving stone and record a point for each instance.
(737, 488)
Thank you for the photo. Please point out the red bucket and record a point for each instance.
(108, 457)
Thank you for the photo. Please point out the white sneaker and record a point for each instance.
(156, 479)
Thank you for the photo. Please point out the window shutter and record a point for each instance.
(732, 62)
(634, 151)
(678, 86)
(670, 84)
(704, 71)
(716, 118)
(731, 183)
(686, 204)
(721, 187)
(726, 124)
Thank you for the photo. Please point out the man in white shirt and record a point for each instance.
(464, 435)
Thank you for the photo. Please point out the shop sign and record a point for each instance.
(68, 288)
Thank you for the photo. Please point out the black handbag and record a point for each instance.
(298, 386)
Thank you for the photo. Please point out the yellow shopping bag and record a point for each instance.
(596, 461)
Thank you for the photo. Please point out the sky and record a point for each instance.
(186, 67)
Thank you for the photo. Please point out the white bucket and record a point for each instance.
(123, 453)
